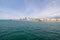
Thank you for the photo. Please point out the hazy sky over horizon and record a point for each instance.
(12, 9)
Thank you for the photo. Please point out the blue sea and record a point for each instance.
(29, 30)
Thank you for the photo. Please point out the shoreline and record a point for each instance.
(30, 20)
(39, 21)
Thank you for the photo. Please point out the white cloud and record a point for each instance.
(31, 10)
(51, 9)
(6, 13)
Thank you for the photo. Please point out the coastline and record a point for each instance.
(38, 20)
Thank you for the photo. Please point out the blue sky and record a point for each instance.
(14, 9)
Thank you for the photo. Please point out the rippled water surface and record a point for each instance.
(24, 30)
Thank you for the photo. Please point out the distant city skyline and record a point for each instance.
(14, 9)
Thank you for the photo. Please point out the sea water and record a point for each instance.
(28, 30)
